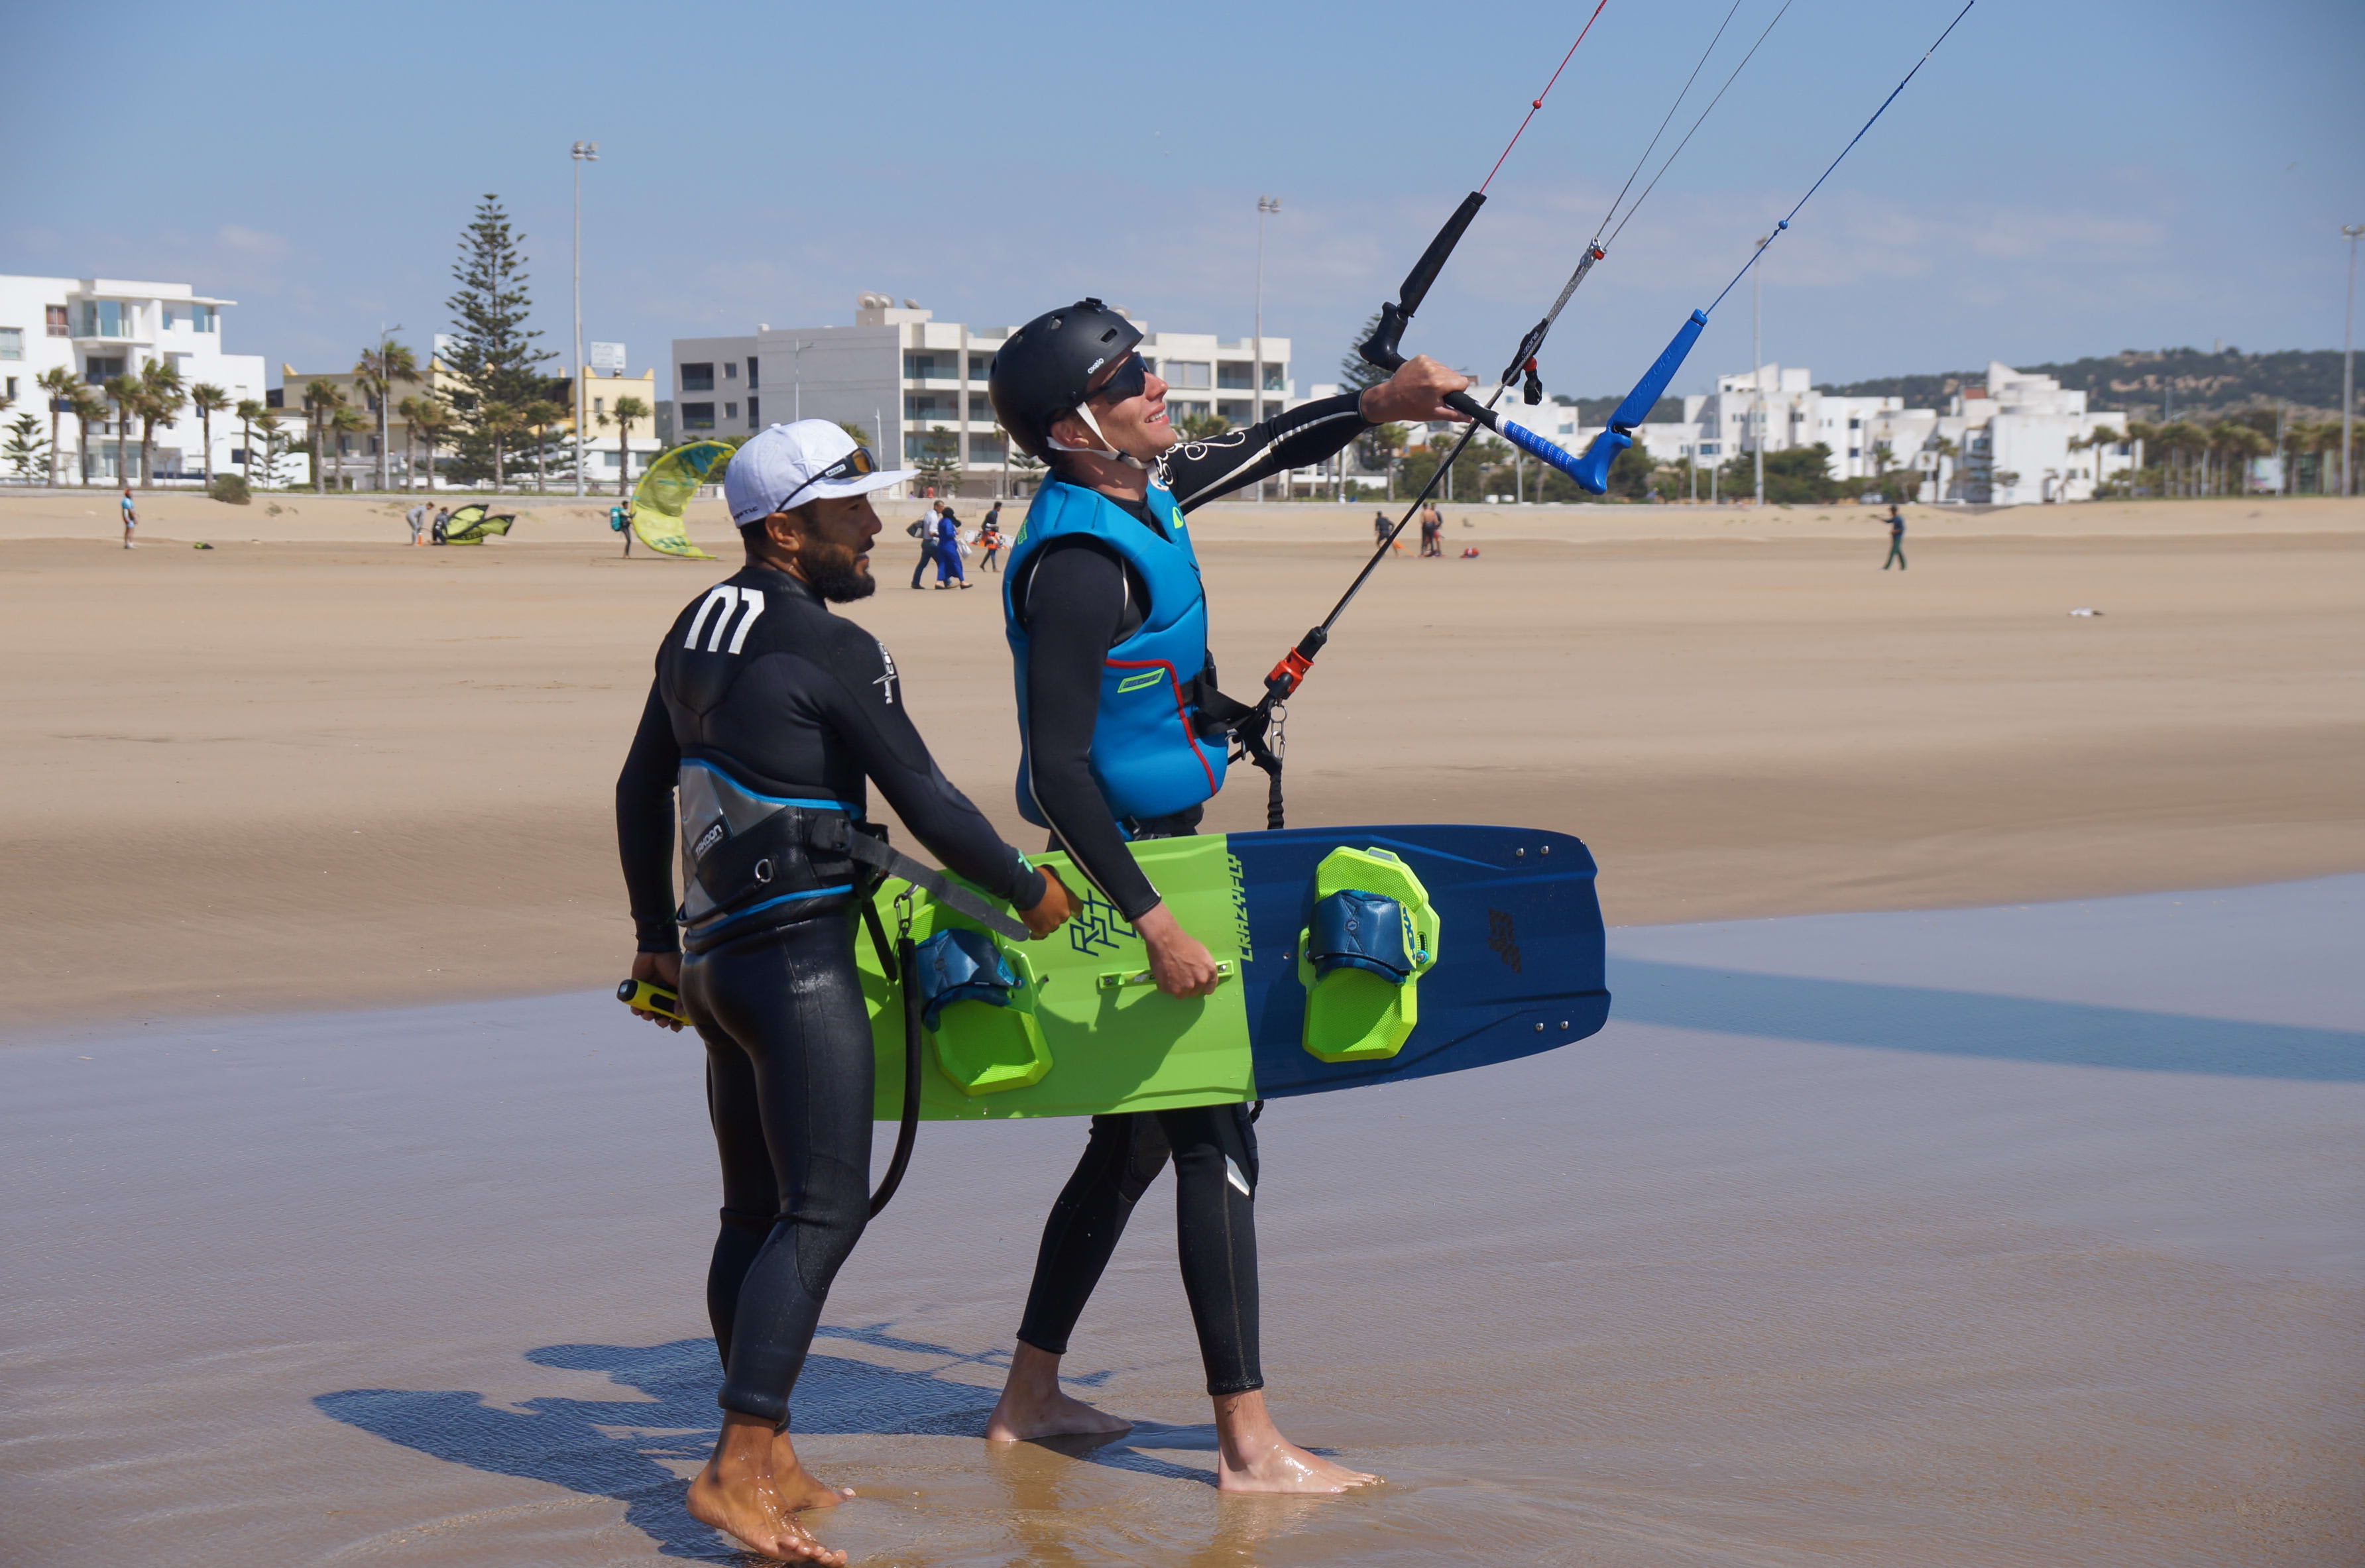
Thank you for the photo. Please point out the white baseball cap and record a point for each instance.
(784, 465)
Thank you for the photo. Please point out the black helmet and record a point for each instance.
(1041, 372)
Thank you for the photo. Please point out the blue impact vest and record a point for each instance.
(1147, 757)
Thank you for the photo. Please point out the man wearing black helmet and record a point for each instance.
(1121, 738)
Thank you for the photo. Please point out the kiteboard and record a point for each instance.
(1350, 957)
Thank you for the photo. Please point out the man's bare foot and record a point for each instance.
(1252, 1456)
(1033, 1404)
(736, 1493)
(795, 1484)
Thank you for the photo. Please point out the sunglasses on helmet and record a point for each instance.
(1130, 379)
(853, 465)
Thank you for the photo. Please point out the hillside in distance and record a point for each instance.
(2188, 382)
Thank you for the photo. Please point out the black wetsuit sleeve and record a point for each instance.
(644, 827)
(1198, 472)
(868, 715)
(1064, 656)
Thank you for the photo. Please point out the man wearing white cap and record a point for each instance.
(768, 718)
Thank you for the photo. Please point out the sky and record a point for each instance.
(2060, 180)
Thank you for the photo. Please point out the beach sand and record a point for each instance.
(313, 767)
(1978, 1238)
(350, 1221)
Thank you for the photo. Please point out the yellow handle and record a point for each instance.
(653, 1000)
(1117, 980)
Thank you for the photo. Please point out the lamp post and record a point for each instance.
(582, 152)
(1757, 355)
(2348, 362)
(797, 380)
(1266, 207)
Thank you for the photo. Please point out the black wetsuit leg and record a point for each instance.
(1213, 1151)
(789, 1086)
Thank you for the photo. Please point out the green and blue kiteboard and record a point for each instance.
(1351, 957)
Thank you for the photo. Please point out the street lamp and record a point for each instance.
(797, 380)
(2348, 362)
(1266, 207)
(1757, 352)
(582, 152)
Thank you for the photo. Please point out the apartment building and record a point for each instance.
(917, 386)
(100, 327)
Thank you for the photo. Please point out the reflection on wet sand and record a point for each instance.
(2036, 1244)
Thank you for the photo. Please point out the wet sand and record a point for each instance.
(2018, 1235)
(319, 769)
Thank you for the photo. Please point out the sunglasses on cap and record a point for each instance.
(853, 465)
(1130, 379)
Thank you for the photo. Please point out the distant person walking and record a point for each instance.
(620, 518)
(1433, 529)
(925, 531)
(948, 551)
(1381, 528)
(989, 539)
(417, 518)
(130, 518)
(1895, 539)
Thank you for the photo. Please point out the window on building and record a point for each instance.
(698, 416)
(1235, 412)
(98, 368)
(752, 380)
(201, 318)
(56, 315)
(930, 405)
(12, 389)
(730, 410)
(105, 318)
(1274, 381)
(755, 418)
(932, 366)
(1709, 449)
(1855, 424)
(1185, 372)
(1235, 374)
(986, 449)
(981, 365)
(698, 378)
(730, 370)
(598, 405)
(1856, 452)
(275, 397)
(12, 342)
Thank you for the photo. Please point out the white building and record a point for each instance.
(2017, 439)
(101, 328)
(918, 385)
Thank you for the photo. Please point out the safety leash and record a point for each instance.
(904, 965)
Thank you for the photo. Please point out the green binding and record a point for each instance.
(1354, 1013)
(987, 1048)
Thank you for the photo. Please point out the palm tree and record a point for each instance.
(322, 398)
(1944, 452)
(206, 401)
(344, 419)
(162, 398)
(123, 391)
(61, 383)
(500, 421)
(88, 408)
(248, 411)
(540, 415)
(410, 409)
(375, 373)
(430, 420)
(629, 408)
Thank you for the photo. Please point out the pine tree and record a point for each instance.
(493, 353)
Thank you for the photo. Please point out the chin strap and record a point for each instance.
(1106, 448)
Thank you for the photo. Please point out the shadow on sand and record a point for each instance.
(1962, 1023)
(616, 1448)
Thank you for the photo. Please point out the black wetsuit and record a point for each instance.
(791, 701)
(1078, 599)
